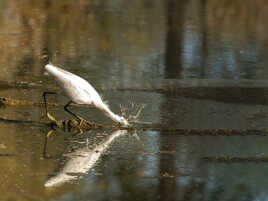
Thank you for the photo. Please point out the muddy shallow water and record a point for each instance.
(196, 65)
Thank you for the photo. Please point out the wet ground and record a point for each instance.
(197, 66)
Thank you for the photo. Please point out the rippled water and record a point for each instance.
(195, 65)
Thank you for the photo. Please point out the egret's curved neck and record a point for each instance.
(109, 113)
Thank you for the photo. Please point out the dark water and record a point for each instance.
(195, 64)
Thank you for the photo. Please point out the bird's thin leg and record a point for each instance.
(45, 155)
(67, 110)
(77, 117)
(45, 99)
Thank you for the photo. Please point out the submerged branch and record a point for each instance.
(33, 123)
(17, 102)
(82, 126)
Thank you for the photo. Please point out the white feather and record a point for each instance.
(80, 91)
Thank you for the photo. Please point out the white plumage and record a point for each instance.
(81, 92)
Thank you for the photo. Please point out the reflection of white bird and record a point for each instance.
(80, 92)
(80, 161)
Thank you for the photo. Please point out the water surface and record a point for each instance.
(195, 64)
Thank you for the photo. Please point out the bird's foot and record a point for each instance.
(50, 117)
(45, 115)
(81, 121)
(49, 133)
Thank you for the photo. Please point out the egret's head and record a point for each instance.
(123, 121)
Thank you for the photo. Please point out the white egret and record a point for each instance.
(81, 92)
